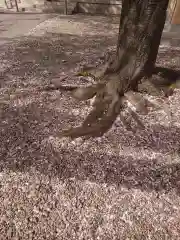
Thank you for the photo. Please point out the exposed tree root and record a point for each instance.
(97, 122)
(169, 79)
(110, 96)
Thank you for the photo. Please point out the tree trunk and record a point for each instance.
(141, 26)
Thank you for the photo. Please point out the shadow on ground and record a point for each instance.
(43, 58)
(28, 119)
(25, 133)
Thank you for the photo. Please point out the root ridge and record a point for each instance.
(110, 97)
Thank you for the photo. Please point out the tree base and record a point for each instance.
(111, 96)
(118, 80)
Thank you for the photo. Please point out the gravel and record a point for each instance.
(121, 186)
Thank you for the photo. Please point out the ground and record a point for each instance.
(121, 186)
(16, 25)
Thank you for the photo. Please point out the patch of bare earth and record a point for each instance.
(121, 186)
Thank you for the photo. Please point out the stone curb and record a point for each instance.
(24, 10)
(13, 11)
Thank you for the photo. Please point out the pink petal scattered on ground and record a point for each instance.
(120, 186)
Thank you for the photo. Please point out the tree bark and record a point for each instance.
(140, 31)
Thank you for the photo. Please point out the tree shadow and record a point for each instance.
(53, 53)
(30, 118)
(37, 59)
(25, 132)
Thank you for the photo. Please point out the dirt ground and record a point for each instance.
(122, 186)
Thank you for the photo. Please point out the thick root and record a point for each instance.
(78, 92)
(163, 82)
(106, 108)
(111, 94)
(97, 122)
(85, 93)
(108, 104)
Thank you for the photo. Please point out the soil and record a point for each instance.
(123, 185)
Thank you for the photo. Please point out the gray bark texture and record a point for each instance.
(141, 26)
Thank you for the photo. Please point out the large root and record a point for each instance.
(110, 99)
(109, 102)
(162, 83)
(106, 108)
